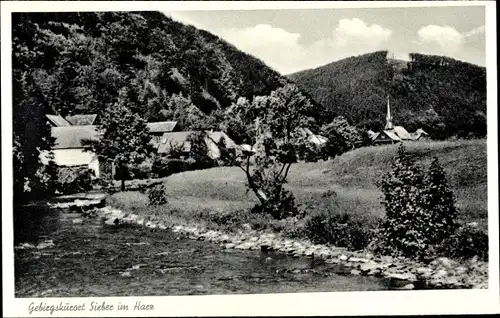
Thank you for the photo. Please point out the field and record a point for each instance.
(343, 185)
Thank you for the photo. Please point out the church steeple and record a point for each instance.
(388, 119)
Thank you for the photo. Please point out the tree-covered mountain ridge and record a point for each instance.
(444, 96)
(78, 62)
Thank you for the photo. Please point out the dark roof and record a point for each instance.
(162, 126)
(81, 120)
(177, 138)
(72, 136)
(58, 121)
(217, 135)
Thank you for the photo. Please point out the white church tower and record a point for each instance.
(388, 119)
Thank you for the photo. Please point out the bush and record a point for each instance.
(341, 230)
(310, 152)
(141, 171)
(280, 204)
(466, 242)
(157, 195)
(74, 179)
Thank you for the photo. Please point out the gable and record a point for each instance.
(57, 121)
(81, 120)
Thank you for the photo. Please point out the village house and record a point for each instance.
(180, 138)
(69, 133)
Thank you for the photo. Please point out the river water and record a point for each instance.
(91, 260)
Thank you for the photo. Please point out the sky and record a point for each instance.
(298, 39)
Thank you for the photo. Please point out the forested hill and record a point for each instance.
(444, 96)
(78, 62)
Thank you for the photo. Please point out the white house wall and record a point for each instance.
(74, 157)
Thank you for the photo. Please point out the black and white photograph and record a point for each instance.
(185, 149)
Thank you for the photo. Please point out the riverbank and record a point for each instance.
(401, 273)
(64, 253)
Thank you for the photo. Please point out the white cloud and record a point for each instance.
(446, 37)
(479, 31)
(281, 49)
(356, 31)
(277, 47)
(446, 40)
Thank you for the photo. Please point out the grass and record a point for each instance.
(345, 185)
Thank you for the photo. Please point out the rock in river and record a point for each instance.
(77, 221)
(45, 244)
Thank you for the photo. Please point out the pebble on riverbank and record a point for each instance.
(401, 273)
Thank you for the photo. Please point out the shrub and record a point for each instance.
(310, 152)
(74, 179)
(466, 242)
(341, 230)
(157, 195)
(141, 171)
(280, 203)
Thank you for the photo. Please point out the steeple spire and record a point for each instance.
(388, 123)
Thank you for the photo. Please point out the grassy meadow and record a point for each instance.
(345, 185)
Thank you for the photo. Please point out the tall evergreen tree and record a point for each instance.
(440, 203)
(124, 137)
(405, 222)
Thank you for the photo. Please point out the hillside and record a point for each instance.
(346, 184)
(444, 96)
(79, 61)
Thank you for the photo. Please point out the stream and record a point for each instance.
(87, 259)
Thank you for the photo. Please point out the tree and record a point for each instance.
(227, 155)
(124, 137)
(336, 144)
(199, 149)
(420, 210)
(440, 204)
(31, 136)
(275, 121)
(405, 222)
